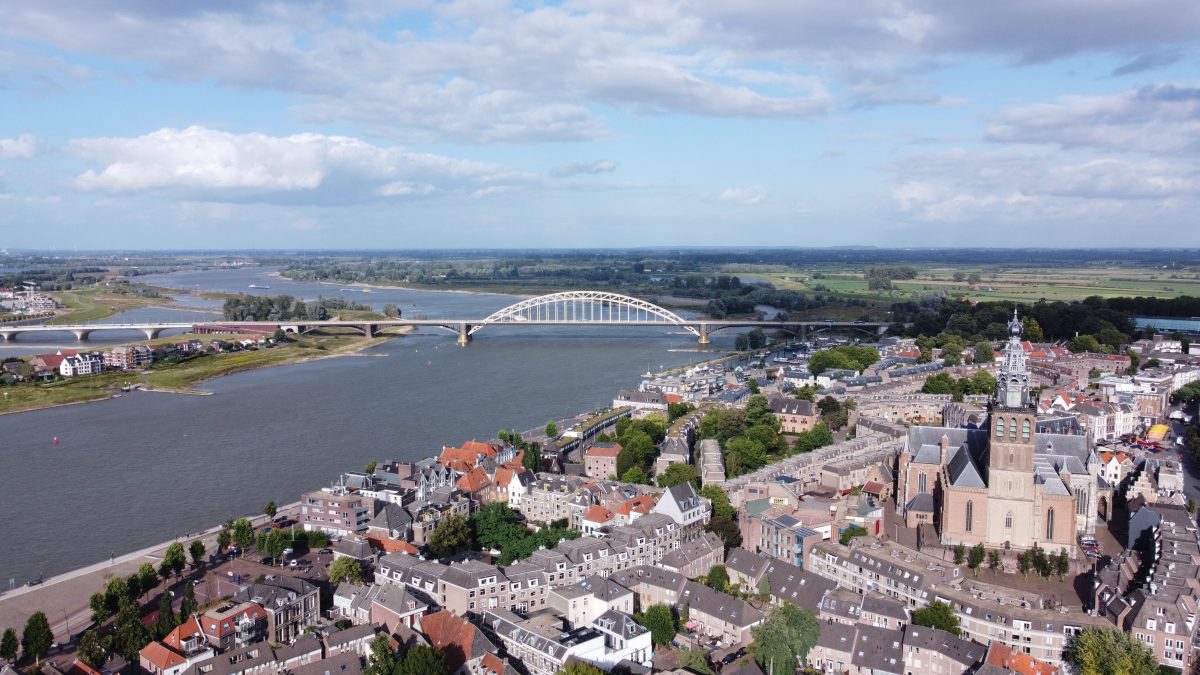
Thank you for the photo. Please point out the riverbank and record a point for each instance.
(404, 287)
(184, 377)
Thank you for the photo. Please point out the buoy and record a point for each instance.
(56, 440)
(429, 363)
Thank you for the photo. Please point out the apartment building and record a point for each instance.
(600, 460)
(337, 512)
(292, 605)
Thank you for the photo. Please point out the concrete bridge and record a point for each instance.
(570, 308)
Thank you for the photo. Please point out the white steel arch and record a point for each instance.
(585, 307)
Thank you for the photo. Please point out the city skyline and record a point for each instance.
(480, 124)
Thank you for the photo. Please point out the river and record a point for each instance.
(140, 469)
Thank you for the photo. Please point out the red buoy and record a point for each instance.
(56, 440)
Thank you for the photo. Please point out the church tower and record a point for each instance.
(1011, 449)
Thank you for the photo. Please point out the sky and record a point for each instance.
(598, 123)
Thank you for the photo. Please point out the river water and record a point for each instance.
(136, 470)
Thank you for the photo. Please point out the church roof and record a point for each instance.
(922, 502)
(963, 472)
(1050, 482)
(928, 454)
(919, 437)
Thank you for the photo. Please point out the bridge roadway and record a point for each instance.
(463, 328)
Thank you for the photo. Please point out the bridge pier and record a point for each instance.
(152, 333)
(368, 330)
(464, 334)
(804, 332)
(703, 333)
(81, 334)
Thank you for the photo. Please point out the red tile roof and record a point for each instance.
(450, 633)
(1022, 664)
(388, 545)
(609, 450)
(641, 505)
(161, 657)
(183, 631)
(474, 481)
(598, 514)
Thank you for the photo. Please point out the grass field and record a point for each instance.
(97, 302)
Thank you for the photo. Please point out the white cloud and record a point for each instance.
(576, 168)
(1158, 119)
(749, 195)
(202, 163)
(25, 146)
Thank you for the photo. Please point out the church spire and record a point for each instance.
(1012, 386)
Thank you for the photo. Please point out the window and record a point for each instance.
(1012, 428)
(999, 428)
(1050, 525)
(921, 483)
(1025, 430)
(1081, 501)
(970, 514)
(1008, 520)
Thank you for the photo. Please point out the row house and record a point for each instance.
(541, 647)
(712, 613)
(443, 503)
(379, 604)
(126, 357)
(695, 557)
(234, 625)
(292, 606)
(600, 460)
(795, 416)
(422, 478)
(584, 601)
(688, 509)
(179, 650)
(548, 499)
(85, 363)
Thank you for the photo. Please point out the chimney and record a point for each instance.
(945, 444)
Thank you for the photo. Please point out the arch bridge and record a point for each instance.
(568, 308)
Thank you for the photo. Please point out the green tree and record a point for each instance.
(584, 668)
(38, 637)
(636, 449)
(451, 536)
(391, 311)
(1062, 564)
(91, 650)
(368, 469)
(678, 473)
(422, 660)
(960, 554)
(1104, 651)
(984, 353)
(531, 457)
(850, 533)
(114, 592)
(9, 645)
(551, 430)
(224, 539)
(993, 561)
(129, 633)
(717, 578)
(148, 578)
(1024, 563)
(174, 559)
(721, 508)
(1085, 343)
(496, 524)
(976, 558)
(782, 641)
(727, 529)
(677, 410)
(693, 660)
(243, 534)
(345, 568)
(659, 620)
(938, 615)
(952, 354)
(166, 617)
(270, 509)
(635, 475)
(197, 551)
(381, 660)
(188, 606)
(99, 606)
(973, 278)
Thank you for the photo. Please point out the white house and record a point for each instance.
(81, 364)
(681, 504)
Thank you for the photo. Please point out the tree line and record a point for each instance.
(284, 308)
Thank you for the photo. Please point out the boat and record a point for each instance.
(257, 286)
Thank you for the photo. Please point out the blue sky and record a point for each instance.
(480, 123)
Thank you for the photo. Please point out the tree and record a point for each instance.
(677, 410)
(114, 592)
(1024, 563)
(381, 660)
(422, 660)
(1062, 564)
(345, 568)
(148, 577)
(391, 311)
(659, 620)
(134, 585)
(993, 561)
(718, 578)
(270, 510)
(952, 354)
(166, 617)
(976, 558)
(1104, 651)
(451, 536)
(721, 508)
(129, 633)
(368, 469)
(677, 474)
(175, 559)
(224, 539)
(782, 641)
(960, 554)
(973, 278)
(9, 645)
(496, 524)
(984, 353)
(243, 534)
(584, 668)
(99, 606)
(38, 637)
(197, 552)
(727, 529)
(938, 615)
(188, 606)
(1032, 330)
(635, 475)
(1085, 343)
(91, 650)
(693, 660)
(551, 430)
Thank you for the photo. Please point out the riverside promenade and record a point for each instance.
(64, 598)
